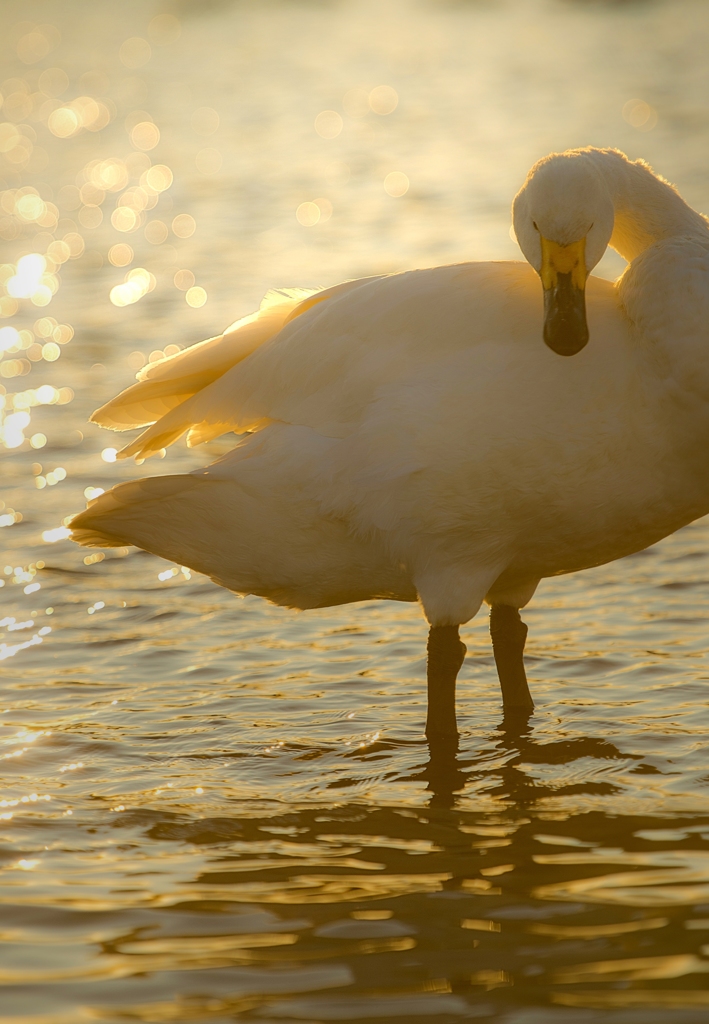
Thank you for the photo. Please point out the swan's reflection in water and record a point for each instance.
(351, 911)
(389, 912)
(447, 773)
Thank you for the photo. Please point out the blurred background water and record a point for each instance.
(217, 810)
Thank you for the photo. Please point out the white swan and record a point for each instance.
(412, 435)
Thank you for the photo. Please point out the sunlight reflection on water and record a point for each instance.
(214, 809)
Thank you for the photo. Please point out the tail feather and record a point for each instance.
(107, 519)
(271, 542)
(210, 524)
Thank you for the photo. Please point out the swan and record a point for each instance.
(451, 435)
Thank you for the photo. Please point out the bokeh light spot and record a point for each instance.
(183, 279)
(58, 533)
(184, 226)
(10, 336)
(63, 122)
(640, 115)
(396, 184)
(136, 360)
(308, 214)
(157, 178)
(59, 252)
(108, 175)
(76, 244)
(137, 283)
(328, 124)
(145, 135)
(383, 99)
(37, 43)
(120, 255)
(124, 219)
(63, 333)
(135, 52)
(156, 232)
(9, 137)
(44, 326)
(164, 29)
(46, 394)
(51, 351)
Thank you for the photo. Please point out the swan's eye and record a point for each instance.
(534, 224)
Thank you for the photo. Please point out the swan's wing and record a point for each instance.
(174, 394)
(194, 390)
(166, 384)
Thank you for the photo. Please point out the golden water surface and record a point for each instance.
(217, 810)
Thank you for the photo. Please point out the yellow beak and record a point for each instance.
(563, 275)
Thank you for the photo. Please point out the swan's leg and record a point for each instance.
(509, 634)
(445, 656)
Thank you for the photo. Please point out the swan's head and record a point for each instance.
(563, 219)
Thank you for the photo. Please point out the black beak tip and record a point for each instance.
(564, 339)
(565, 326)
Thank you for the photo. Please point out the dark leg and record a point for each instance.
(508, 634)
(445, 656)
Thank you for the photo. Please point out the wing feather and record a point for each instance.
(194, 391)
(167, 383)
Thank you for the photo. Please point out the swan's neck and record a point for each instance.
(647, 208)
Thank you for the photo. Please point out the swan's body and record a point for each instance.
(414, 437)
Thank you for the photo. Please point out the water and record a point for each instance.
(216, 810)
